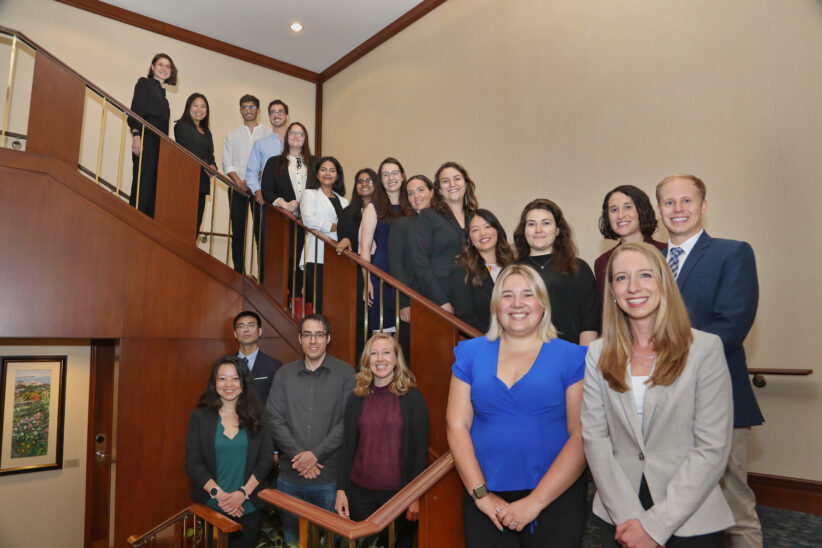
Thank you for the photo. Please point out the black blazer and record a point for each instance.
(263, 373)
(149, 101)
(400, 242)
(414, 437)
(349, 228)
(437, 241)
(277, 184)
(201, 458)
(199, 144)
(472, 303)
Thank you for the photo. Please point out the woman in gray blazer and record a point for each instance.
(657, 412)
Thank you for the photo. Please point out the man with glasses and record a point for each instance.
(236, 151)
(248, 330)
(305, 410)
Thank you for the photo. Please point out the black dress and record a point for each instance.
(575, 303)
(150, 102)
(202, 146)
(472, 303)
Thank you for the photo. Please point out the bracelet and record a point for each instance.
(244, 492)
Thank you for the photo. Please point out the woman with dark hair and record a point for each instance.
(544, 240)
(192, 132)
(385, 436)
(627, 216)
(150, 103)
(513, 423)
(657, 389)
(375, 231)
(229, 448)
(485, 253)
(440, 232)
(283, 181)
(348, 228)
(321, 204)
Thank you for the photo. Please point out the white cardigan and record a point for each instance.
(318, 214)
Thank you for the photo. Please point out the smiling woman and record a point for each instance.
(192, 131)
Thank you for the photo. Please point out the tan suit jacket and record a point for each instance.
(682, 447)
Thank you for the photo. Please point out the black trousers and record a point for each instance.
(711, 540)
(239, 217)
(247, 537)
(363, 502)
(560, 524)
(148, 174)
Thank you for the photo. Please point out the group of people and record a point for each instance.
(343, 439)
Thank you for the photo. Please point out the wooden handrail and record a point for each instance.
(223, 523)
(768, 371)
(111, 100)
(377, 521)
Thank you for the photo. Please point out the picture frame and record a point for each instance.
(32, 411)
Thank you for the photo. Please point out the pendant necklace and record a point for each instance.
(541, 266)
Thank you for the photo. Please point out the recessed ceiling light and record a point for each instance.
(296, 27)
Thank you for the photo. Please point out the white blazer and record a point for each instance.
(682, 447)
(318, 214)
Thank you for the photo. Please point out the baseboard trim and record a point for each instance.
(799, 495)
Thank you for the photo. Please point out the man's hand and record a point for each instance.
(259, 197)
(303, 461)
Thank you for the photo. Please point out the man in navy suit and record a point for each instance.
(247, 331)
(717, 279)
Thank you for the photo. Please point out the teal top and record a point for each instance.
(231, 457)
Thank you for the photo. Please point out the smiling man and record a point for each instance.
(718, 282)
(248, 330)
(305, 410)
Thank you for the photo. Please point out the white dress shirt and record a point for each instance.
(686, 248)
(237, 147)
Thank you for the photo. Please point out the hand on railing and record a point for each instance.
(342, 245)
(341, 504)
(413, 512)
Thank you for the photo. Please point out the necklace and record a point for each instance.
(638, 355)
(541, 266)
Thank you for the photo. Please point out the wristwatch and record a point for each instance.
(479, 491)
(213, 492)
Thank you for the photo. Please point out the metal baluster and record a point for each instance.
(381, 308)
(213, 201)
(8, 90)
(140, 167)
(397, 312)
(229, 231)
(305, 270)
(120, 159)
(294, 270)
(364, 298)
(100, 141)
(314, 296)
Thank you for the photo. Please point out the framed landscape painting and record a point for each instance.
(32, 405)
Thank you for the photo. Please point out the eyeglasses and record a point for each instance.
(319, 335)
(247, 325)
(277, 112)
(296, 134)
(365, 181)
(391, 173)
(248, 107)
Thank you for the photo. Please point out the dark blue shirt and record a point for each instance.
(518, 432)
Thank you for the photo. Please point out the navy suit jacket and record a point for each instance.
(263, 373)
(719, 286)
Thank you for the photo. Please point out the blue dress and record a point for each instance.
(380, 259)
(518, 432)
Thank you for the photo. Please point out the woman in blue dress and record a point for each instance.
(514, 423)
(375, 231)
(229, 448)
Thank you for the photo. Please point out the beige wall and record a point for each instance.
(50, 505)
(567, 99)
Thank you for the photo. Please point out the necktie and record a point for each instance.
(299, 162)
(245, 361)
(673, 260)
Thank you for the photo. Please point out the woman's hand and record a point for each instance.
(520, 513)
(342, 245)
(341, 504)
(405, 314)
(293, 206)
(491, 505)
(232, 503)
(448, 307)
(135, 144)
(630, 534)
(413, 512)
(368, 291)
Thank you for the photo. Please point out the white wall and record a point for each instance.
(47, 509)
(567, 99)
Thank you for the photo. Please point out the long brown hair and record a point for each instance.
(564, 251)
(305, 152)
(671, 333)
(403, 379)
(469, 201)
(470, 258)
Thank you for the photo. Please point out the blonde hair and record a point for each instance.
(671, 331)
(403, 377)
(537, 286)
(698, 183)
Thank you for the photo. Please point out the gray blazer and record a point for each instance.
(682, 447)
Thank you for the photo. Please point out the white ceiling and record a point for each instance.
(331, 28)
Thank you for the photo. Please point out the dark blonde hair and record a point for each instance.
(537, 286)
(403, 379)
(698, 183)
(671, 331)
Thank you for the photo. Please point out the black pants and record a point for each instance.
(148, 174)
(711, 540)
(363, 502)
(561, 523)
(247, 537)
(239, 217)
